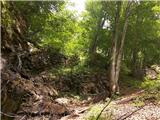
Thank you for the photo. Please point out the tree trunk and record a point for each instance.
(114, 48)
(135, 63)
(100, 24)
(116, 62)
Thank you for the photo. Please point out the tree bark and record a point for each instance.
(120, 52)
(116, 60)
(114, 48)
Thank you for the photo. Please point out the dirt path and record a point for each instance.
(124, 109)
(129, 112)
(121, 109)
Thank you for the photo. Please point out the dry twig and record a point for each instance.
(123, 117)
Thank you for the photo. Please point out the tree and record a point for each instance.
(94, 21)
(117, 52)
(114, 84)
(100, 24)
(142, 39)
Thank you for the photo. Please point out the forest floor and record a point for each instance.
(128, 106)
(116, 111)
(42, 101)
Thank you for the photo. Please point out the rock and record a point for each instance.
(151, 73)
(64, 101)
(156, 68)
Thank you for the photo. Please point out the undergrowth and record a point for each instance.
(95, 110)
(151, 89)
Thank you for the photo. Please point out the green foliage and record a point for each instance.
(151, 85)
(59, 29)
(143, 34)
(130, 81)
(138, 102)
(152, 91)
(51, 24)
(94, 112)
(91, 19)
(7, 17)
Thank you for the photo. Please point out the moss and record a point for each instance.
(95, 110)
(138, 102)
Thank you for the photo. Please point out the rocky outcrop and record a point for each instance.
(27, 97)
(23, 92)
(152, 72)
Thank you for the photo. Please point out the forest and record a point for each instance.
(100, 63)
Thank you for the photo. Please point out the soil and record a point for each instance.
(121, 109)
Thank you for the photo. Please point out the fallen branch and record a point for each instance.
(104, 108)
(8, 115)
(82, 111)
(75, 114)
(123, 117)
(128, 99)
(4, 86)
(22, 117)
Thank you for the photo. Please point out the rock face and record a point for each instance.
(152, 72)
(83, 83)
(25, 95)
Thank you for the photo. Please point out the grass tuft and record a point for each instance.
(95, 110)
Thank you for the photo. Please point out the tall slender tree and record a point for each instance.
(117, 51)
(114, 48)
